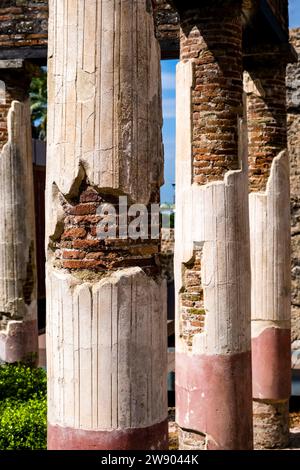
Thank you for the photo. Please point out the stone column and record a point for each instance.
(269, 202)
(18, 294)
(106, 299)
(212, 254)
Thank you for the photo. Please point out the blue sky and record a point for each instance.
(169, 89)
(294, 10)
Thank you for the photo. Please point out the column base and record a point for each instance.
(189, 440)
(153, 437)
(214, 401)
(271, 363)
(19, 342)
(271, 424)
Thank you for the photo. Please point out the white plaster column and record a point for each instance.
(106, 300)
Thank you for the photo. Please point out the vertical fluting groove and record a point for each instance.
(17, 245)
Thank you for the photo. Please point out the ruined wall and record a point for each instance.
(293, 102)
(23, 23)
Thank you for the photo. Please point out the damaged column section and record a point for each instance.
(212, 254)
(269, 202)
(106, 299)
(18, 295)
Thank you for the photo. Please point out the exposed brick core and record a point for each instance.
(191, 300)
(15, 89)
(23, 23)
(79, 247)
(215, 47)
(267, 126)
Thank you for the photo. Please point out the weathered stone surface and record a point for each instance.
(120, 113)
(271, 424)
(106, 298)
(106, 355)
(191, 441)
(270, 247)
(18, 296)
(293, 74)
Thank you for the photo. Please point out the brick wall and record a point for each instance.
(293, 101)
(217, 90)
(266, 121)
(78, 247)
(23, 23)
(192, 300)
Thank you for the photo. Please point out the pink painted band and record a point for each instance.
(271, 363)
(152, 437)
(213, 397)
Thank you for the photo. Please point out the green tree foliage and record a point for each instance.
(23, 407)
(38, 98)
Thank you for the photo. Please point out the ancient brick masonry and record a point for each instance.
(266, 121)
(270, 249)
(212, 265)
(216, 94)
(79, 246)
(106, 312)
(18, 305)
(23, 23)
(191, 300)
(293, 103)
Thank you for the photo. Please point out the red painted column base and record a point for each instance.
(271, 359)
(153, 437)
(214, 400)
(271, 363)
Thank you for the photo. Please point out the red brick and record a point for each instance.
(86, 244)
(82, 209)
(73, 254)
(83, 264)
(76, 232)
(90, 195)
